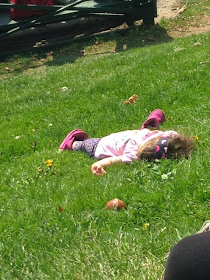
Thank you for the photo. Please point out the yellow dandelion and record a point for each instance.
(146, 225)
(39, 169)
(196, 137)
(49, 162)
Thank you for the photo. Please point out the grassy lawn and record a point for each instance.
(195, 14)
(53, 222)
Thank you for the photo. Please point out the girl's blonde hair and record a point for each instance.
(178, 146)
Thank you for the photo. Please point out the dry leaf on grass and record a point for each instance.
(181, 10)
(64, 88)
(60, 209)
(178, 49)
(49, 53)
(197, 44)
(132, 99)
(204, 62)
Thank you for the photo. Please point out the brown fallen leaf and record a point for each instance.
(38, 44)
(181, 10)
(60, 209)
(204, 62)
(33, 145)
(178, 49)
(131, 99)
(43, 42)
(197, 44)
(64, 88)
(49, 53)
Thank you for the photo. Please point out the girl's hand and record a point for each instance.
(97, 169)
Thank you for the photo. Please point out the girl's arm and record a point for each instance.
(98, 167)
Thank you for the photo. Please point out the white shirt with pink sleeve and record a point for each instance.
(126, 143)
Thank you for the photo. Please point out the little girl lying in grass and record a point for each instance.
(125, 146)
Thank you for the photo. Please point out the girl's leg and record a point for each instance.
(88, 146)
(74, 135)
(155, 118)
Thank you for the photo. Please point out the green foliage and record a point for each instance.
(166, 200)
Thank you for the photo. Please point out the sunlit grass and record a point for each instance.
(39, 107)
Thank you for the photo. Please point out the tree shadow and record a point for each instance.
(87, 36)
(124, 38)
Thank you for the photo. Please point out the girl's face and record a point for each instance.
(147, 149)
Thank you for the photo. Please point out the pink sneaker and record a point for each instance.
(74, 135)
(155, 118)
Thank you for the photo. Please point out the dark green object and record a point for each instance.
(130, 10)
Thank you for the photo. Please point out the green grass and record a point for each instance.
(195, 14)
(85, 241)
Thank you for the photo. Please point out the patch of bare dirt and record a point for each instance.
(174, 8)
(167, 8)
(179, 32)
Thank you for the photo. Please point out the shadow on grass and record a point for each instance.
(68, 42)
(123, 38)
